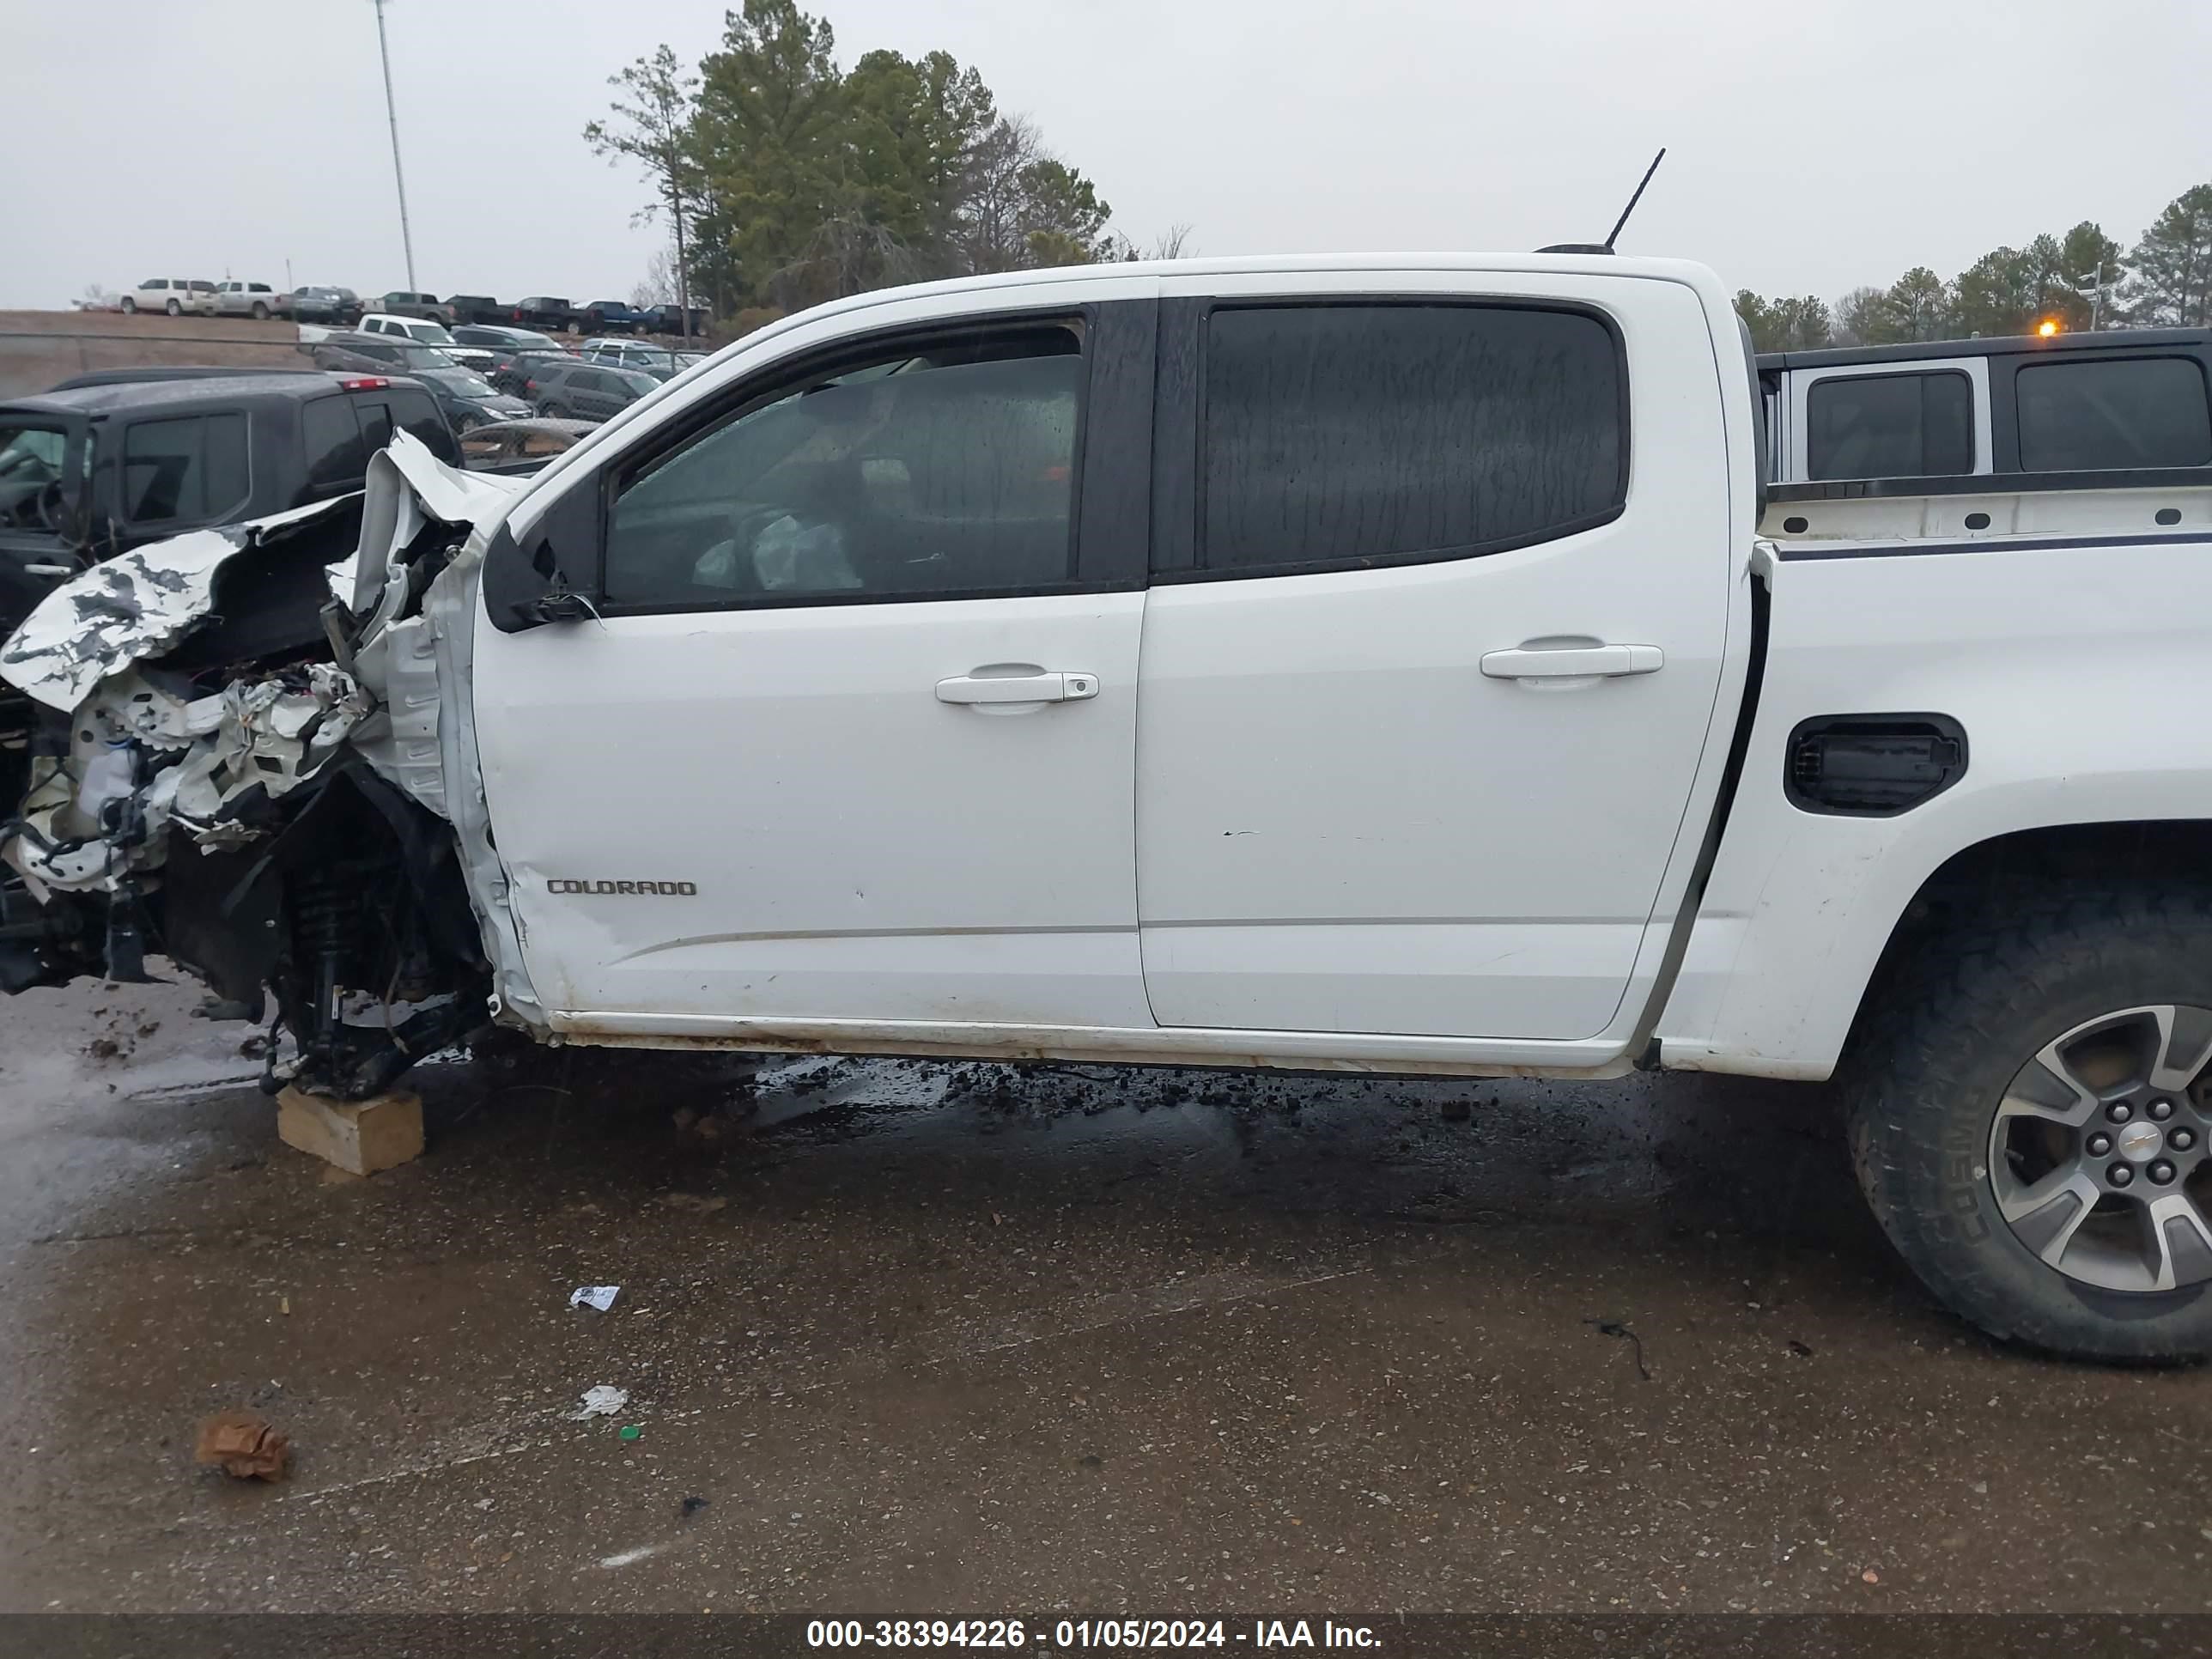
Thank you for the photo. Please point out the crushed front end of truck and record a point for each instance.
(216, 774)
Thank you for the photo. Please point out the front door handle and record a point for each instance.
(1040, 687)
(1574, 662)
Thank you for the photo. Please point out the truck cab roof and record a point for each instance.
(2110, 339)
(106, 391)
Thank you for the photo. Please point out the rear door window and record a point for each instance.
(2095, 415)
(1890, 425)
(188, 471)
(1337, 435)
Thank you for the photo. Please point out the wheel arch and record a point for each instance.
(1782, 983)
(1978, 880)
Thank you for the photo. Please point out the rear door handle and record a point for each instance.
(1018, 688)
(1576, 662)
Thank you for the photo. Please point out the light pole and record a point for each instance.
(399, 177)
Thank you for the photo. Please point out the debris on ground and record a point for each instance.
(694, 1202)
(1619, 1328)
(1800, 1349)
(604, 1401)
(1870, 1576)
(601, 1296)
(690, 1507)
(245, 1445)
(631, 1431)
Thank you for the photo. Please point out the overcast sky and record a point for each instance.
(1814, 144)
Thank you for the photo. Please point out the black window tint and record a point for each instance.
(1344, 433)
(376, 424)
(418, 415)
(1890, 425)
(2139, 411)
(191, 469)
(336, 459)
(947, 469)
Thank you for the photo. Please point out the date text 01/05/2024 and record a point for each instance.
(1075, 1634)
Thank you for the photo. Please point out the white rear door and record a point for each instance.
(855, 739)
(1433, 654)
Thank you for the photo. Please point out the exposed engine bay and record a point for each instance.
(211, 770)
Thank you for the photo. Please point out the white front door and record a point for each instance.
(855, 738)
(1431, 667)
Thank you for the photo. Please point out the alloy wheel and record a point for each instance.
(2098, 1151)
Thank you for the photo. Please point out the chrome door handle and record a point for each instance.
(1576, 662)
(1043, 687)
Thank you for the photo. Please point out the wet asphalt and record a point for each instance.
(943, 1339)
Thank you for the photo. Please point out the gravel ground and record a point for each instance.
(927, 1338)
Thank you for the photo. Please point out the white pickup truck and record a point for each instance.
(1366, 663)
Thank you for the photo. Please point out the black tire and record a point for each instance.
(1934, 1060)
(260, 312)
(130, 307)
(175, 309)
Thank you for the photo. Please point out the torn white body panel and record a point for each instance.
(146, 755)
(132, 607)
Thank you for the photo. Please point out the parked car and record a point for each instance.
(340, 306)
(468, 400)
(400, 303)
(256, 300)
(586, 390)
(426, 333)
(505, 344)
(119, 457)
(510, 443)
(613, 317)
(173, 295)
(669, 319)
(1630, 787)
(519, 373)
(475, 308)
(662, 363)
(542, 311)
(351, 351)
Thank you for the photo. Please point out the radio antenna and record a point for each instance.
(1634, 199)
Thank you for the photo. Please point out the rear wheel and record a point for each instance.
(2031, 1117)
(175, 309)
(260, 312)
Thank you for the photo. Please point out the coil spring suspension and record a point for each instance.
(324, 907)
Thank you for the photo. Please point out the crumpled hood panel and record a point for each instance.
(146, 751)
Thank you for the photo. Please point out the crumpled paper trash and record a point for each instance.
(601, 1296)
(604, 1401)
(245, 1445)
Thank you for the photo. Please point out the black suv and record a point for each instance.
(100, 465)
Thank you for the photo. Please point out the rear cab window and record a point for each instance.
(1343, 435)
(337, 457)
(1890, 425)
(2099, 413)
